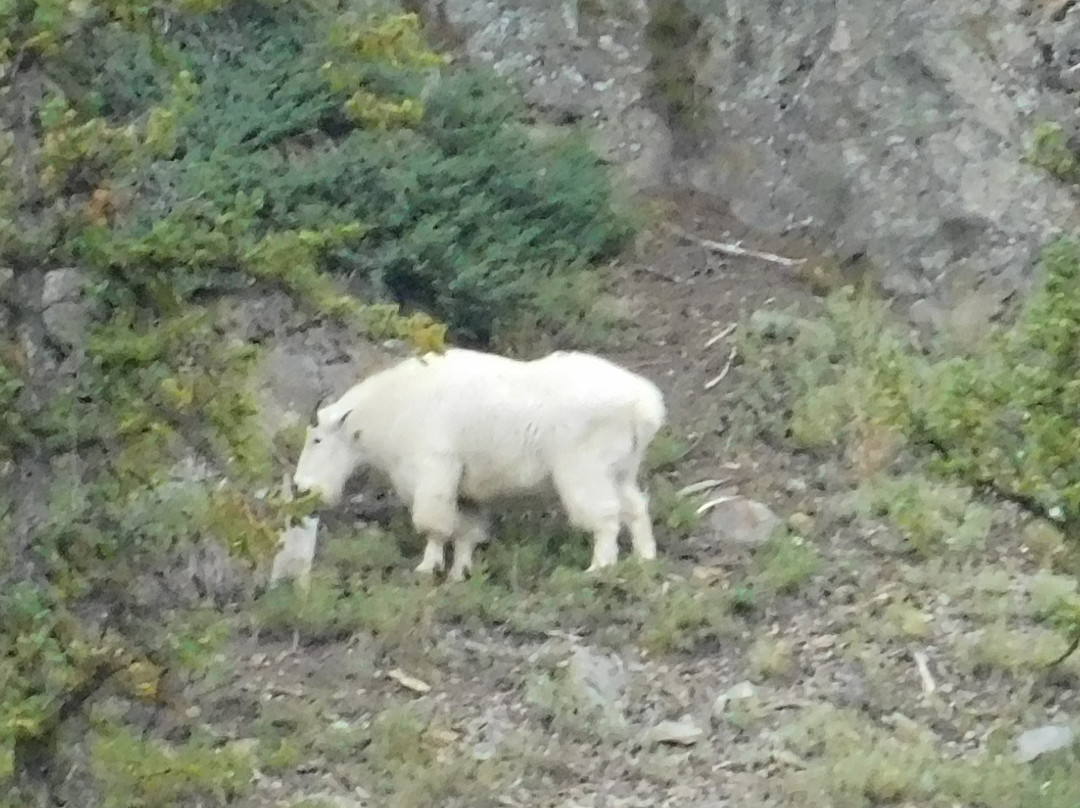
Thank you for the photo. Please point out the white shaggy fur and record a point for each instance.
(456, 431)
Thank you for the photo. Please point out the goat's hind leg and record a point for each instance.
(592, 503)
(635, 515)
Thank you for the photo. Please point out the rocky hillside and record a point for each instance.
(213, 212)
(910, 140)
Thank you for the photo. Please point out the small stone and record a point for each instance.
(1039, 741)
(739, 692)
(795, 486)
(65, 313)
(743, 521)
(293, 560)
(411, 682)
(801, 523)
(1070, 78)
(924, 314)
(683, 732)
(61, 285)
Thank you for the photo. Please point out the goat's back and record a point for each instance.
(506, 418)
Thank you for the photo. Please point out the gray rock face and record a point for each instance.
(894, 129)
(7, 275)
(65, 313)
(898, 128)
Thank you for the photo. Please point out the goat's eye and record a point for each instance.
(316, 441)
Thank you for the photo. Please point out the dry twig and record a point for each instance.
(735, 249)
(716, 338)
(704, 485)
(711, 383)
(712, 503)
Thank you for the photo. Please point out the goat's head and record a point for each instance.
(329, 457)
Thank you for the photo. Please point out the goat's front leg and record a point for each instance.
(472, 530)
(435, 516)
(434, 556)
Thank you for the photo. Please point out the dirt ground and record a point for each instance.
(827, 649)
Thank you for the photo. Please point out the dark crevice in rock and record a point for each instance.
(673, 91)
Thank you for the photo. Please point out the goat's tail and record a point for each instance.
(650, 413)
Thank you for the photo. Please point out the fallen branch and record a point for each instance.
(711, 383)
(662, 275)
(735, 249)
(704, 485)
(411, 682)
(716, 338)
(1074, 643)
(712, 503)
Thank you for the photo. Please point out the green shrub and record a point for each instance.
(1050, 152)
(134, 772)
(191, 149)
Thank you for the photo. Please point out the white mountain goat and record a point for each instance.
(457, 431)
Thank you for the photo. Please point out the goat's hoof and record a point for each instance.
(428, 569)
(457, 576)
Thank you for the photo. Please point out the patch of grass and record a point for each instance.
(368, 551)
(1012, 650)
(849, 761)
(934, 517)
(416, 764)
(134, 772)
(772, 658)
(1047, 542)
(786, 562)
(330, 610)
(1047, 591)
(677, 514)
(684, 616)
(1050, 152)
(666, 451)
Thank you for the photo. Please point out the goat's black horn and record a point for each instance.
(316, 408)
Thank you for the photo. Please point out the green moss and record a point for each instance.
(1050, 152)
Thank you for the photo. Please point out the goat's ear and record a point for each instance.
(341, 421)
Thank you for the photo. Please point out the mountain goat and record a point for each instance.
(458, 431)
